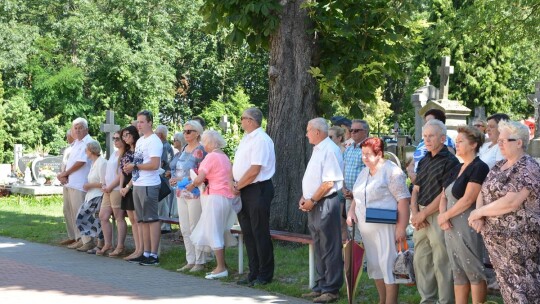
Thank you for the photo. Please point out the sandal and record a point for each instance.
(117, 252)
(103, 250)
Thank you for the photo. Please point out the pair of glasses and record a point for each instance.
(357, 130)
(505, 140)
(245, 117)
(116, 138)
(125, 135)
(188, 131)
(479, 126)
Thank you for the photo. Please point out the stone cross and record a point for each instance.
(109, 128)
(445, 70)
(534, 99)
(224, 123)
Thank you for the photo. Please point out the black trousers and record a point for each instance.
(254, 220)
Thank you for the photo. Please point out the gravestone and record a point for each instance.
(224, 123)
(109, 128)
(419, 99)
(24, 161)
(534, 145)
(17, 154)
(52, 163)
(456, 113)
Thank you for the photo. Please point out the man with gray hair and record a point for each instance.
(254, 165)
(322, 180)
(73, 177)
(431, 263)
(165, 205)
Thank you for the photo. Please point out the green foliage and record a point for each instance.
(21, 124)
(252, 21)
(233, 108)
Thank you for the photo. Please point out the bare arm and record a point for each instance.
(308, 204)
(403, 219)
(506, 204)
(153, 164)
(249, 176)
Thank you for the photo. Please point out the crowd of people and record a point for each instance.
(472, 201)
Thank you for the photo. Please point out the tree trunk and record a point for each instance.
(293, 94)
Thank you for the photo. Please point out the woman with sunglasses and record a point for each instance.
(112, 201)
(130, 135)
(189, 205)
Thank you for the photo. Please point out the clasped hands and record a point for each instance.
(306, 204)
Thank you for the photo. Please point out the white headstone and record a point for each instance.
(445, 70)
(224, 123)
(109, 128)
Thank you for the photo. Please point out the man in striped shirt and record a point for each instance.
(431, 263)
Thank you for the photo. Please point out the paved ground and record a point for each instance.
(36, 273)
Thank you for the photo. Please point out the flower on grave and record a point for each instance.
(47, 172)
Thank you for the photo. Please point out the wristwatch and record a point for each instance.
(135, 167)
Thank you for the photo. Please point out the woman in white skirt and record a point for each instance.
(381, 184)
(213, 229)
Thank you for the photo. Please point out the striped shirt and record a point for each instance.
(432, 173)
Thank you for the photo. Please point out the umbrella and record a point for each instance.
(353, 256)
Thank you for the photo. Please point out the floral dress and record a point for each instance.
(127, 201)
(513, 239)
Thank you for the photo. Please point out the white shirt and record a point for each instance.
(112, 169)
(145, 149)
(324, 166)
(96, 175)
(77, 179)
(490, 155)
(255, 148)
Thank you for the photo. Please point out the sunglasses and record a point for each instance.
(357, 130)
(245, 117)
(116, 138)
(188, 131)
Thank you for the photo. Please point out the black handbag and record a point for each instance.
(164, 189)
(377, 215)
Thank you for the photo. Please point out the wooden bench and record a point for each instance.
(276, 235)
(281, 236)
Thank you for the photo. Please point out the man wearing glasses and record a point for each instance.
(352, 161)
(254, 165)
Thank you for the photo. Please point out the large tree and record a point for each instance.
(343, 47)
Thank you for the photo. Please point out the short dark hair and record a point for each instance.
(498, 117)
(147, 114)
(376, 144)
(473, 135)
(438, 114)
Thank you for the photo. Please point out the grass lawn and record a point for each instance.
(41, 220)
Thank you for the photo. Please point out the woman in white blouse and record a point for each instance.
(381, 184)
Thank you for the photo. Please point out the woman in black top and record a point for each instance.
(463, 244)
(130, 135)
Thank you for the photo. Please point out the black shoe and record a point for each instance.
(137, 259)
(150, 261)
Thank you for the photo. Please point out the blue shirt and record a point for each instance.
(352, 164)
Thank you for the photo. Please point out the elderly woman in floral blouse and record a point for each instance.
(508, 216)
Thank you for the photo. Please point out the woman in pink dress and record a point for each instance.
(213, 229)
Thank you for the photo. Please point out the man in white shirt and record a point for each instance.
(322, 180)
(254, 165)
(146, 184)
(74, 176)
